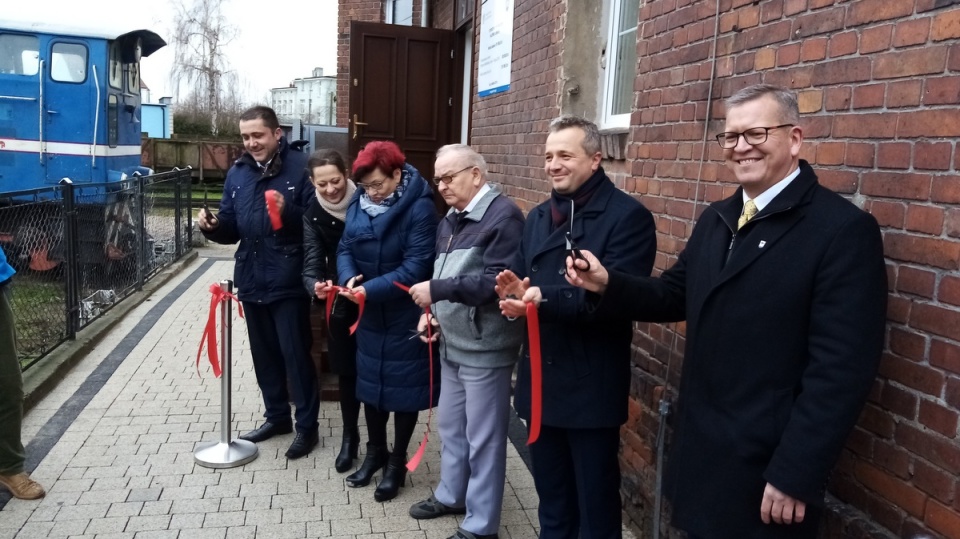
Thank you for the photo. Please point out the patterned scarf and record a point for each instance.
(373, 209)
(560, 204)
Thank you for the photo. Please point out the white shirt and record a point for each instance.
(476, 198)
(767, 196)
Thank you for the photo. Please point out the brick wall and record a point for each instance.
(509, 129)
(879, 85)
(350, 10)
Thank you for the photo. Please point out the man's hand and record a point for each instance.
(594, 279)
(422, 328)
(515, 294)
(320, 288)
(780, 508)
(420, 293)
(207, 221)
(278, 200)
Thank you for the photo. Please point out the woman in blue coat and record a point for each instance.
(389, 237)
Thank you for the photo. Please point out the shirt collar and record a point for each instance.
(484, 189)
(767, 196)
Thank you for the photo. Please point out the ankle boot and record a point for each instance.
(393, 478)
(348, 450)
(376, 458)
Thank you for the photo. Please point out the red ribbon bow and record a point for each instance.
(536, 372)
(418, 456)
(209, 336)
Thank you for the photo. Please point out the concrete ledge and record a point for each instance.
(40, 379)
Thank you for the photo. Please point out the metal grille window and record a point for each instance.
(621, 63)
(19, 55)
(68, 62)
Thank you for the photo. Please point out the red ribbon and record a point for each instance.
(536, 372)
(332, 294)
(217, 295)
(272, 210)
(418, 456)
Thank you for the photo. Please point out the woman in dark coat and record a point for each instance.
(389, 237)
(323, 224)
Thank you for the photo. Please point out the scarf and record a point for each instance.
(560, 204)
(374, 210)
(339, 210)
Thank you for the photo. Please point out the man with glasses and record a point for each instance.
(476, 240)
(783, 289)
(585, 359)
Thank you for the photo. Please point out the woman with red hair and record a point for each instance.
(389, 237)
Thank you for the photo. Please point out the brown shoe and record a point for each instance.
(21, 486)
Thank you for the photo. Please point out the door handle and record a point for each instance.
(356, 123)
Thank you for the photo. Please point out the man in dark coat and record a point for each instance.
(585, 359)
(783, 289)
(269, 262)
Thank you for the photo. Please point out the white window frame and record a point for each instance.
(609, 120)
(390, 6)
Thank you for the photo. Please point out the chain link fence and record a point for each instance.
(80, 249)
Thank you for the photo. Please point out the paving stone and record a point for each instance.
(127, 509)
(147, 523)
(106, 525)
(160, 507)
(203, 533)
(282, 531)
(187, 520)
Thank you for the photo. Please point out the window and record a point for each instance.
(68, 62)
(133, 78)
(19, 55)
(621, 63)
(116, 67)
(463, 12)
(399, 12)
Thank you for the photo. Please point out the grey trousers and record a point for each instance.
(474, 413)
(11, 390)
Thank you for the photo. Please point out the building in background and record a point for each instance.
(310, 100)
(156, 119)
(879, 91)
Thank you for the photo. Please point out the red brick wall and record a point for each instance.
(509, 129)
(879, 85)
(350, 10)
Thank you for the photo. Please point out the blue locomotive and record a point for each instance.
(70, 104)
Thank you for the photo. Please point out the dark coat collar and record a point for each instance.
(796, 194)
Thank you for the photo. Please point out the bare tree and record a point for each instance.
(200, 34)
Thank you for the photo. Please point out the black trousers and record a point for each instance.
(280, 341)
(577, 475)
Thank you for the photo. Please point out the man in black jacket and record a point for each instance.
(586, 359)
(783, 289)
(267, 273)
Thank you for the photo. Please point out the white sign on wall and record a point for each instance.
(496, 47)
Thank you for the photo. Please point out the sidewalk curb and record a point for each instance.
(42, 378)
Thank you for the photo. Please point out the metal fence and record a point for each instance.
(80, 249)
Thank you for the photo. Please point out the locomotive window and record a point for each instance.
(68, 63)
(116, 68)
(113, 126)
(133, 78)
(19, 55)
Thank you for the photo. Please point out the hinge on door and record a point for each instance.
(449, 101)
(451, 54)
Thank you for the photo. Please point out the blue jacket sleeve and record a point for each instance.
(227, 232)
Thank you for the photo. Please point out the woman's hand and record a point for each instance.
(320, 288)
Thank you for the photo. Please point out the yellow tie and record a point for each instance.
(749, 210)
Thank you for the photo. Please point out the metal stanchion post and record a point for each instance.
(226, 453)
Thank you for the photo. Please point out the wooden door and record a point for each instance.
(401, 89)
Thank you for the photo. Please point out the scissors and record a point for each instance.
(572, 248)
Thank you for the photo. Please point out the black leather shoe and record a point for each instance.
(348, 451)
(303, 444)
(376, 458)
(393, 478)
(433, 508)
(266, 431)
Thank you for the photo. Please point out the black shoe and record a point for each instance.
(348, 451)
(431, 508)
(393, 478)
(376, 458)
(464, 534)
(266, 431)
(303, 444)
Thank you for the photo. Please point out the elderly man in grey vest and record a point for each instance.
(477, 239)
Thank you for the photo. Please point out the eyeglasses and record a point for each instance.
(449, 177)
(374, 185)
(752, 136)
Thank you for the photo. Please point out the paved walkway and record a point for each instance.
(113, 444)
